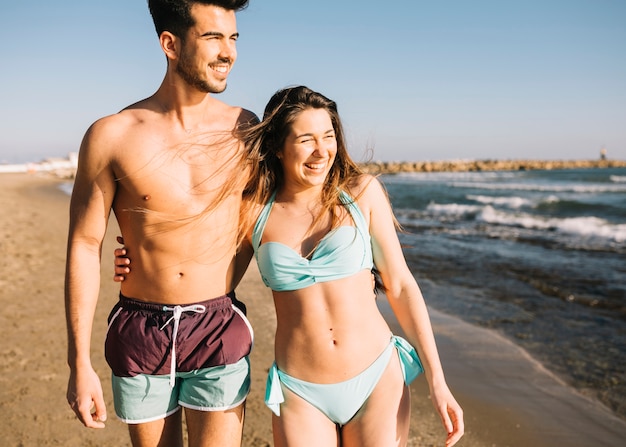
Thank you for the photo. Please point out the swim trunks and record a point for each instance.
(344, 251)
(198, 350)
(341, 401)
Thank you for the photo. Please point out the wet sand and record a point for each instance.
(508, 398)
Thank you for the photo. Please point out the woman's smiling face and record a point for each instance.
(310, 148)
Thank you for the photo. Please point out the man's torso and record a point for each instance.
(177, 203)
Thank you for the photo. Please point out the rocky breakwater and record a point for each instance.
(66, 169)
(393, 167)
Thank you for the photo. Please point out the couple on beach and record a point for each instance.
(198, 188)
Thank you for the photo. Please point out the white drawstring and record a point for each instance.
(177, 312)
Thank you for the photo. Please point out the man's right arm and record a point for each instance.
(90, 206)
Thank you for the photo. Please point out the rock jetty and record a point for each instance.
(392, 167)
(66, 167)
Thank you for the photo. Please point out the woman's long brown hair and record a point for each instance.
(265, 140)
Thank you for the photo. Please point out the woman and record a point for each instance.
(317, 226)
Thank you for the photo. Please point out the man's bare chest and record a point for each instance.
(179, 180)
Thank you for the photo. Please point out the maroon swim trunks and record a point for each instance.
(142, 336)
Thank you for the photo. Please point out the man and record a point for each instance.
(168, 166)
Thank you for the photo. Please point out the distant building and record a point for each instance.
(62, 167)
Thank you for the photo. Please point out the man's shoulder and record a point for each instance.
(122, 118)
(109, 136)
(246, 115)
(119, 123)
(235, 115)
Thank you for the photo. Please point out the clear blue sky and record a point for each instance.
(415, 80)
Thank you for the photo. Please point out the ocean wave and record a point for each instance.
(453, 209)
(618, 178)
(513, 202)
(508, 202)
(437, 177)
(590, 227)
(570, 187)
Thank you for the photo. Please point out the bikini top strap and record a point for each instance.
(355, 211)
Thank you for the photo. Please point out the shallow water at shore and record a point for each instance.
(540, 257)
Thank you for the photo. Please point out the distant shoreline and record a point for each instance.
(393, 167)
(66, 168)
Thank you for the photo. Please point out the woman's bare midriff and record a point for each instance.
(322, 340)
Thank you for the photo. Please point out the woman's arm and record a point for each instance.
(122, 262)
(407, 303)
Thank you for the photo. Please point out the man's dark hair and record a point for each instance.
(175, 15)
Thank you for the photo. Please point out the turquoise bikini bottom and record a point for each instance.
(341, 401)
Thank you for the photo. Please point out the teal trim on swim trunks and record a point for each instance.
(341, 401)
(147, 398)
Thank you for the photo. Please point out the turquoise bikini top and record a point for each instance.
(344, 251)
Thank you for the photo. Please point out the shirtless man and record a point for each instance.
(168, 167)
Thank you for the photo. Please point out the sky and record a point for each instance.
(414, 80)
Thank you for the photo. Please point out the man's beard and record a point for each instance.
(193, 78)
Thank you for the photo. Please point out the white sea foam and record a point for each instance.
(618, 178)
(449, 176)
(453, 209)
(561, 188)
(592, 227)
(513, 202)
(508, 202)
(550, 199)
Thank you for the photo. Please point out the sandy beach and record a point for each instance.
(509, 399)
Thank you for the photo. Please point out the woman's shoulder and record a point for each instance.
(367, 192)
(364, 186)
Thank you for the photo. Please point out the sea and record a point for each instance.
(537, 255)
